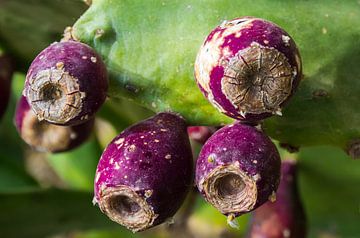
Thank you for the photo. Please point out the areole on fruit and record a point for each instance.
(248, 68)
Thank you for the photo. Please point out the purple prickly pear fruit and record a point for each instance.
(284, 218)
(238, 169)
(248, 68)
(66, 83)
(44, 136)
(6, 71)
(145, 173)
(200, 133)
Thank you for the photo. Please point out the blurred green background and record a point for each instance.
(45, 195)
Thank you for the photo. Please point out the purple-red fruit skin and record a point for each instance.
(44, 136)
(250, 151)
(250, 48)
(200, 134)
(6, 71)
(154, 159)
(78, 82)
(284, 218)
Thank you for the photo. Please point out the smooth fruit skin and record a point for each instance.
(284, 218)
(150, 164)
(238, 169)
(47, 137)
(248, 68)
(66, 83)
(6, 71)
(200, 134)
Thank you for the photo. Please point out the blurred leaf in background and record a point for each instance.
(28, 26)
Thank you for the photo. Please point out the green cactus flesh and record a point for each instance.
(150, 49)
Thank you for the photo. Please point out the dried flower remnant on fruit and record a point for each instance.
(232, 183)
(145, 173)
(248, 68)
(66, 83)
(44, 136)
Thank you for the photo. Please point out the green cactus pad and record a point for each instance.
(150, 49)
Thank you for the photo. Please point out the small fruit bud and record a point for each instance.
(248, 68)
(66, 83)
(44, 136)
(200, 133)
(145, 173)
(244, 170)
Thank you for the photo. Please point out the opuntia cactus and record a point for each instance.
(284, 218)
(66, 83)
(44, 136)
(6, 71)
(172, 50)
(151, 61)
(145, 173)
(238, 169)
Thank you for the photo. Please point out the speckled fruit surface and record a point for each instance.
(145, 173)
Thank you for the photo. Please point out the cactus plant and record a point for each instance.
(160, 85)
(150, 58)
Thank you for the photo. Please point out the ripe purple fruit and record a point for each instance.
(238, 169)
(44, 136)
(248, 68)
(200, 133)
(284, 218)
(66, 83)
(6, 71)
(145, 173)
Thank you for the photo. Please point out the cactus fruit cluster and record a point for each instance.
(247, 68)
(239, 92)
